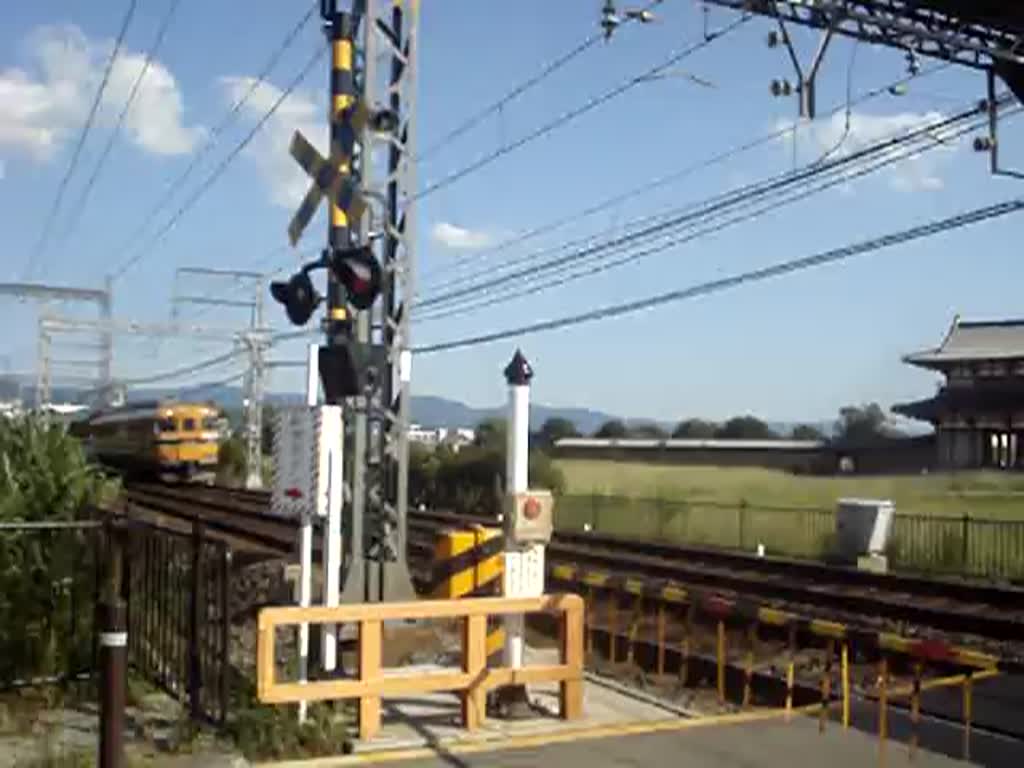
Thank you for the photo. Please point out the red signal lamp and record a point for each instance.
(358, 270)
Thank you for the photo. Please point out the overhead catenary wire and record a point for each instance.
(83, 198)
(217, 131)
(534, 287)
(547, 71)
(690, 213)
(649, 186)
(575, 112)
(221, 167)
(48, 222)
(778, 269)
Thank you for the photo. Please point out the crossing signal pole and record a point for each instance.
(365, 362)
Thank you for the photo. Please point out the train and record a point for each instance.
(162, 439)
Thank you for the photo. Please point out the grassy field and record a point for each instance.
(967, 523)
(982, 495)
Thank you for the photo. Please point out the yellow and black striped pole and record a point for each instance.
(339, 32)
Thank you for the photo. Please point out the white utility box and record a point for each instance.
(306, 440)
(862, 527)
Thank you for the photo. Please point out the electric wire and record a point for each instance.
(574, 113)
(219, 170)
(648, 186)
(777, 269)
(687, 214)
(537, 286)
(474, 120)
(83, 198)
(48, 222)
(217, 131)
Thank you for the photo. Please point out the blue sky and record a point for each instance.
(794, 348)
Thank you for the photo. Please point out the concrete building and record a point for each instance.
(978, 411)
(435, 436)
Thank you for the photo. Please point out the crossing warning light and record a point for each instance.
(358, 270)
(298, 296)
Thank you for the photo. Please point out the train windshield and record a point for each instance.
(165, 425)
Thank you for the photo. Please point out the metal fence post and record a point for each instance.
(195, 623)
(113, 639)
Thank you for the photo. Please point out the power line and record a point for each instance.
(756, 275)
(82, 136)
(474, 120)
(225, 122)
(576, 112)
(76, 211)
(659, 182)
(222, 166)
(688, 214)
(632, 256)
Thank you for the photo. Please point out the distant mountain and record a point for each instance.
(427, 410)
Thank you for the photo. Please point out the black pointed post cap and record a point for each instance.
(518, 372)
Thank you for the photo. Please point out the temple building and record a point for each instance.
(978, 412)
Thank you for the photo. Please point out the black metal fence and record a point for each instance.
(49, 582)
(179, 614)
(928, 543)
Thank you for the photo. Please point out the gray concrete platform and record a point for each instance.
(772, 744)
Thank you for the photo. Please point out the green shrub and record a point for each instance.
(45, 586)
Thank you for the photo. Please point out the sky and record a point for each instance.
(794, 348)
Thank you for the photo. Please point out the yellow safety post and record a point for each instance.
(720, 657)
(845, 671)
(469, 563)
(968, 700)
(661, 638)
(826, 684)
(790, 671)
(883, 703)
(915, 709)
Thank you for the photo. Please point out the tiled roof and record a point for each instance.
(1003, 339)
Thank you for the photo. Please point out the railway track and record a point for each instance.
(955, 607)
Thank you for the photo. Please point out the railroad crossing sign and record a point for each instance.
(330, 177)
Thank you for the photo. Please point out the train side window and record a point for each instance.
(209, 423)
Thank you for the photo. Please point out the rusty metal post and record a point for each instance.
(790, 670)
(967, 712)
(845, 672)
(113, 640)
(748, 672)
(195, 623)
(915, 709)
(684, 662)
(826, 684)
(720, 652)
(661, 638)
(613, 625)
(883, 707)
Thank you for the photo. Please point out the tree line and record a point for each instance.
(855, 424)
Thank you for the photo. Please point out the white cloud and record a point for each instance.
(922, 172)
(269, 150)
(459, 238)
(44, 106)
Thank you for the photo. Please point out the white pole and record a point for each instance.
(332, 545)
(517, 467)
(306, 538)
